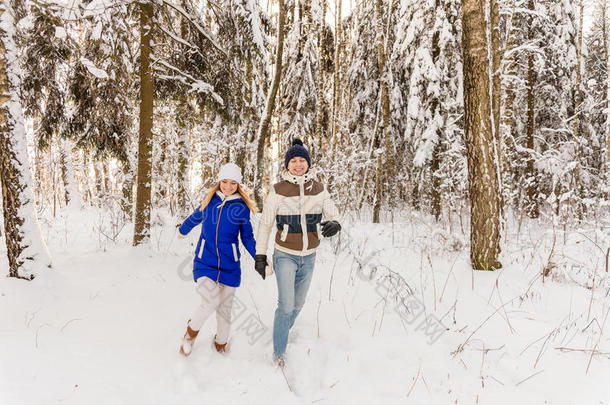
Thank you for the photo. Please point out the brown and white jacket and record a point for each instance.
(297, 205)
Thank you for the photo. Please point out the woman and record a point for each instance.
(225, 214)
(297, 205)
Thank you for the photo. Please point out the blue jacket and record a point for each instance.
(217, 253)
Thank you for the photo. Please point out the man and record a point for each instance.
(297, 205)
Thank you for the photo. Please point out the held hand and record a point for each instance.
(269, 269)
(330, 228)
(260, 262)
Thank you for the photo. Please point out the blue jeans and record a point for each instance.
(293, 274)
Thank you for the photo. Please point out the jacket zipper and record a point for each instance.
(303, 216)
(217, 253)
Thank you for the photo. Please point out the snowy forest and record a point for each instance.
(466, 144)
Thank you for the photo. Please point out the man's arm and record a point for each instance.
(266, 223)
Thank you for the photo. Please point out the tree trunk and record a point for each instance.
(143, 193)
(159, 197)
(532, 208)
(26, 251)
(337, 76)
(577, 107)
(99, 180)
(383, 133)
(508, 109)
(496, 88)
(264, 128)
(106, 179)
(64, 172)
(1, 211)
(87, 177)
(53, 180)
(483, 182)
(436, 182)
(320, 98)
(71, 195)
(435, 169)
(127, 190)
(184, 123)
(183, 187)
(38, 174)
(247, 127)
(607, 59)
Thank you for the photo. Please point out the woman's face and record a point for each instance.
(297, 166)
(228, 187)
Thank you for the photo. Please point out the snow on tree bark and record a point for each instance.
(532, 208)
(577, 112)
(320, 83)
(384, 172)
(26, 251)
(337, 75)
(483, 182)
(496, 87)
(605, 26)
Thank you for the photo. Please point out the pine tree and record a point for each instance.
(540, 76)
(299, 90)
(427, 67)
(555, 104)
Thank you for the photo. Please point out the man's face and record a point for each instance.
(297, 166)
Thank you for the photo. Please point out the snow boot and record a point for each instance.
(220, 348)
(188, 340)
(279, 360)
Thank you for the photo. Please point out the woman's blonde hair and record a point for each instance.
(240, 190)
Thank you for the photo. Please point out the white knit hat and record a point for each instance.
(230, 171)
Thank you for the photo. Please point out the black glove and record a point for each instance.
(330, 228)
(260, 263)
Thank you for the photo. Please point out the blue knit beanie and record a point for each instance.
(297, 150)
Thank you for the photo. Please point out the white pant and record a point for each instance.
(215, 297)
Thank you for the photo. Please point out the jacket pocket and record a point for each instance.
(200, 255)
(234, 251)
(284, 234)
(319, 230)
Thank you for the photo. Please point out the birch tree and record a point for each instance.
(478, 134)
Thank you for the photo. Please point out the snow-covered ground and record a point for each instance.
(394, 315)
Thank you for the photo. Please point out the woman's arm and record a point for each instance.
(195, 219)
(247, 235)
